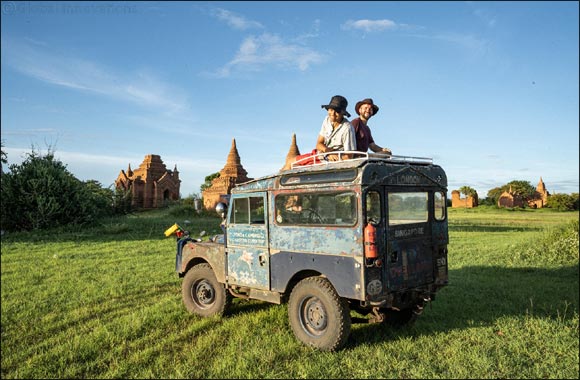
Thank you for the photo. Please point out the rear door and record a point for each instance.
(247, 241)
(409, 261)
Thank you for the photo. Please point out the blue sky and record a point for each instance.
(489, 90)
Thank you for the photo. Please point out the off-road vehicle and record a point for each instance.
(367, 234)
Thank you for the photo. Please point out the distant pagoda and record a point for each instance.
(151, 185)
(231, 174)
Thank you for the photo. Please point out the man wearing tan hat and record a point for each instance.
(364, 139)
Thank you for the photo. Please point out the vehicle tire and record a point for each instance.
(202, 293)
(400, 319)
(318, 316)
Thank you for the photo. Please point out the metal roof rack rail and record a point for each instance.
(321, 159)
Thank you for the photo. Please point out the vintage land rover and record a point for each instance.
(367, 234)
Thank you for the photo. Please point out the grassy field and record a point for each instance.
(105, 302)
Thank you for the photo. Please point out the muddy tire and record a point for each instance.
(318, 316)
(202, 293)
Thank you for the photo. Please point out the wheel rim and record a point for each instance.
(203, 294)
(313, 316)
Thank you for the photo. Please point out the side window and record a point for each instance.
(241, 211)
(373, 206)
(338, 209)
(257, 210)
(439, 204)
(248, 210)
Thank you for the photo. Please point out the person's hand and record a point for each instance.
(385, 151)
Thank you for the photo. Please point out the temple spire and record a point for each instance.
(233, 156)
(293, 151)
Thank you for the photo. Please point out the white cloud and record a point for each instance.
(234, 20)
(370, 25)
(43, 63)
(255, 53)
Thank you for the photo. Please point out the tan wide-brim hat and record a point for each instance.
(367, 101)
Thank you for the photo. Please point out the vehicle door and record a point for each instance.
(409, 261)
(248, 260)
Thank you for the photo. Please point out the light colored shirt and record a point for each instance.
(341, 138)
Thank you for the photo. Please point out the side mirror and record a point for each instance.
(221, 209)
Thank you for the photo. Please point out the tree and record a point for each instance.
(522, 188)
(494, 194)
(3, 157)
(208, 180)
(468, 191)
(563, 202)
(41, 192)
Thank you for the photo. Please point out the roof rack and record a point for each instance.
(321, 159)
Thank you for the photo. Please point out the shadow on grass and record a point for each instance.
(487, 228)
(479, 296)
(240, 306)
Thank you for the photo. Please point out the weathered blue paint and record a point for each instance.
(248, 256)
(345, 241)
(248, 262)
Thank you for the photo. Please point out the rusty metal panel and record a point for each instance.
(404, 175)
(409, 264)
(345, 273)
(346, 241)
(212, 253)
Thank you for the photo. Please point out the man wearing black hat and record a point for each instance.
(336, 133)
(364, 139)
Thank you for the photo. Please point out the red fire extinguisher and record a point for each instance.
(371, 251)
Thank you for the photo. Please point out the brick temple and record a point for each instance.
(468, 202)
(538, 200)
(151, 185)
(230, 175)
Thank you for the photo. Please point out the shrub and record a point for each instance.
(563, 202)
(557, 246)
(42, 193)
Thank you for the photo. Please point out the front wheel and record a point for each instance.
(202, 293)
(318, 316)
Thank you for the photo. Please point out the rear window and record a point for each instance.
(408, 208)
(335, 209)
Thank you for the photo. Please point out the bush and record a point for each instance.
(563, 202)
(42, 193)
(557, 246)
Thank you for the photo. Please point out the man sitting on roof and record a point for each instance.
(336, 134)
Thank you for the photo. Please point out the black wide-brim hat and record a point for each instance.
(337, 103)
(366, 101)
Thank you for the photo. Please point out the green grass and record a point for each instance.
(105, 302)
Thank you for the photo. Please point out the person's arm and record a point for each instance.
(377, 149)
(349, 141)
(320, 146)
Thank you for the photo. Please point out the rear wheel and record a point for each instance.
(202, 293)
(318, 316)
